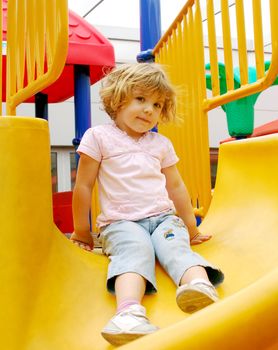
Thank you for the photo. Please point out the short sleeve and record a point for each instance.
(90, 145)
(170, 157)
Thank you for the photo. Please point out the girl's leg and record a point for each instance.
(130, 321)
(188, 269)
(129, 288)
(194, 272)
(172, 246)
(132, 256)
(195, 291)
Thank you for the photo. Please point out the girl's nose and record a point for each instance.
(148, 108)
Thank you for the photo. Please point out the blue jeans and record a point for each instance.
(132, 246)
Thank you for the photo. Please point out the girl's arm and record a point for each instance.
(178, 193)
(81, 201)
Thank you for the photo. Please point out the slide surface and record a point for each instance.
(53, 294)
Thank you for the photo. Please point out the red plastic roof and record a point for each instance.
(265, 129)
(87, 46)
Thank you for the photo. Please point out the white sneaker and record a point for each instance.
(128, 325)
(193, 297)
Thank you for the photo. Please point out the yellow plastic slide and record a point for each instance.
(53, 294)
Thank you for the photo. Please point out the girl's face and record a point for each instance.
(140, 114)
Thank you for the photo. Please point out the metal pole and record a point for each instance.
(82, 102)
(150, 23)
(150, 30)
(82, 106)
(41, 105)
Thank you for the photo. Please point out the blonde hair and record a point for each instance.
(119, 84)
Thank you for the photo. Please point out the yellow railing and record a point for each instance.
(182, 51)
(37, 46)
(1, 37)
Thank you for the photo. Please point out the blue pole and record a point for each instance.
(82, 102)
(150, 23)
(82, 105)
(41, 105)
(150, 30)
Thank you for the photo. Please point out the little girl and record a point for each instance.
(140, 191)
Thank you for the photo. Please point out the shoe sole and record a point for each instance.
(118, 339)
(192, 300)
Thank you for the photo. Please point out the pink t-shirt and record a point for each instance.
(131, 185)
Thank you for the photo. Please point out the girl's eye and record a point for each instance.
(140, 98)
(157, 105)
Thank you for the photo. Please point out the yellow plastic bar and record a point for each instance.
(40, 39)
(227, 44)
(30, 39)
(258, 38)
(273, 69)
(172, 56)
(177, 135)
(193, 124)
(242, 50)
(51, 33)
(190, 111)
(46, 45)
(11, 57)
(179, 44)
(262, 82)
(183, 56)
(20, 53)
(193, 103)
(190, 126)
(163, 57)
(96, 208)
(213, 49)
(179, 18)
(204, 197)
(182, 110)
(1, 69)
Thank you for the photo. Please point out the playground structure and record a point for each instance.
(53, 293)
(238, 127)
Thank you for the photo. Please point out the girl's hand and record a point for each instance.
(199, 238)
(85, 242)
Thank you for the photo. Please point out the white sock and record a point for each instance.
(126, 304)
